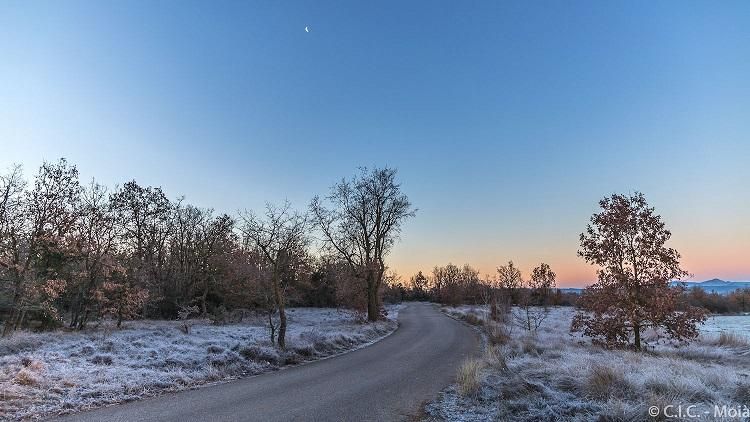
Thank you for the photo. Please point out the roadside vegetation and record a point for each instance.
(112, 294)
(73, 255)
(633, 340)
(553, 374)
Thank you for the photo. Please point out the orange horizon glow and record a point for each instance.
(702, 264)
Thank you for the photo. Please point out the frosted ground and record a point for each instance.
(48, 373)
(739, 324)
(556, 375)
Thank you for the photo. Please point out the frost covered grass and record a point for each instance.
(48, 373)
(556, 375)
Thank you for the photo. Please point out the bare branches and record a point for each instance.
(281, 235)
(362, 223)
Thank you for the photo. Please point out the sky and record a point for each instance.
(507, 120)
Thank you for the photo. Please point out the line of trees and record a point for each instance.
(453, 285)
(73, 253)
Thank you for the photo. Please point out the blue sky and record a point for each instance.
(507, 120)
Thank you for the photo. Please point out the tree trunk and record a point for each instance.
(119, 318)
(373, 313)
(204, 309)
(637, 333)
(279, 297)
(12, 321)
(272, 327)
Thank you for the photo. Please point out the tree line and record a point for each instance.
(72, 253)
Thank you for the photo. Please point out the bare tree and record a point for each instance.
(363, 223)
(96, 237)
(37, 225)
(146, 219)
(508, 281)
(533, 296)
(281, 235)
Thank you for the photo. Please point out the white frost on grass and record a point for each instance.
(47, 373)
(556, 375)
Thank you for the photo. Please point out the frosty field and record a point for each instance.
(556, 375)
(738, 324)
(48, 373)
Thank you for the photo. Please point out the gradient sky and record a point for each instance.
(508, 121)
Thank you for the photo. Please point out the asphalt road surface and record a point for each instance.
(387, 381)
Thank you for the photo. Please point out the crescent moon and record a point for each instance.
(307, 29)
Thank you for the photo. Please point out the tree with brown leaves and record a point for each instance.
(634, 292)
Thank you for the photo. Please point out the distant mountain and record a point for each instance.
(715, 285)
(717, 282)
(574, 290)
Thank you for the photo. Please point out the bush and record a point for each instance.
(473, 319)
(260, 354)
(102, 360)
(214, 349)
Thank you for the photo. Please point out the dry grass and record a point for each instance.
(468, 377)
(604, 382)
(731, 339)
(497, 334)
(495, 359)
(27, 378)
(473, 319)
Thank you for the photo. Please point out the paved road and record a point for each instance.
(387, 381)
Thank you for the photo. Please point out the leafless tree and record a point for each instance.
(362, 223)
(96, 239)
(533, 296)
(281, 235)
(508, 281)
(146, 219)
(38, 224)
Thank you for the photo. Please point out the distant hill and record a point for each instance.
(716, 285)
(575, 290)
(717, 282)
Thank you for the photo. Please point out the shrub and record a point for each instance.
(317, 340)
(306, 350)
(214, 349)
(742, 393)
(258, 354)
(291, 357)
(224, 359)
(102, 360)
(473, 319)
(468, 377)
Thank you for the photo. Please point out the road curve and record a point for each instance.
(387, 381)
